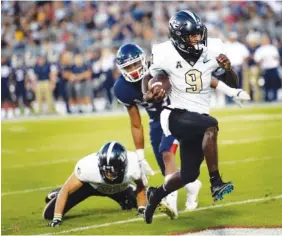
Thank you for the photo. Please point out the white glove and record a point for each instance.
(144, 165)
(241, 96)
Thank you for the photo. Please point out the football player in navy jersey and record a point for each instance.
(132, 64)
(6, 101)
(79, 86)
(19, 72)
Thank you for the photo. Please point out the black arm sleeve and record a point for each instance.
(230, 78)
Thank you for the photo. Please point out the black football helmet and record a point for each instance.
(131, 61)
(112, 162)
(183, 24)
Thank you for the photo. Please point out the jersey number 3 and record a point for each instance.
(194, 79)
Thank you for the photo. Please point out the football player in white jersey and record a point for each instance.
(109, 172)
(188, 64)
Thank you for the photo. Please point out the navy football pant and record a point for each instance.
(160, 143)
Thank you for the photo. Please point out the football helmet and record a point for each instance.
(112, 162)
(131, 61)
(183, 24)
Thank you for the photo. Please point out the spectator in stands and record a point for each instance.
(19, 72)
(268, 59)
(252, 71)
(6, 100)
(44, 83)
(79, 86)
(237, 54)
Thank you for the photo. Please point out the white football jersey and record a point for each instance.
(87, 170)
(190, 83)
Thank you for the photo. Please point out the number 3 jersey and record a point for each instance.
(190, 82)
(87, 171)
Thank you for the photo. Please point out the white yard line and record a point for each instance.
(162, 215)
(29, 190)
(65, 160)
(42, 163)
(231, 162)
(249, 140)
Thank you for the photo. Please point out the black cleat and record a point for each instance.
(153, 200)
(218, 190)
(52, 195)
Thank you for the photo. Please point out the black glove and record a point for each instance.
(55, 223)
(141, 211)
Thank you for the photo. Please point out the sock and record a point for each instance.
(189, 187)
(73, 108)
(214, 177)
(162, 191)
(89, 108)
(167, 177)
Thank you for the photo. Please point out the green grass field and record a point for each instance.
(39, 155)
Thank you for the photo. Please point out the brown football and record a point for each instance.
(160, 82)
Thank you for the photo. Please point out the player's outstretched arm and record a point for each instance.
(238, 95)
(72, 185)
(138, 138)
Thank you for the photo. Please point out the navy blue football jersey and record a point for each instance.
(130, 94)
(19, 74)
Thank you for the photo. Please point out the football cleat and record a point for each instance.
(52, 195)
(165, 208)
(153, 200)
(220, 189)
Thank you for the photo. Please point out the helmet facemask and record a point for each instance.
(133, 70)
(109, 173)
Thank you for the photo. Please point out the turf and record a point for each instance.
(39, 155)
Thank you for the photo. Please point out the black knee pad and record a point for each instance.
(189, 176)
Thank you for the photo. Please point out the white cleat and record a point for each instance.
(193, 192)
(165, 207)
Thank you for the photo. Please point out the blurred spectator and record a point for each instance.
(251, 70)
(237, 53)
(79, 86)
(44, 82)
(6, 100)
(19, 72)
(267, 57)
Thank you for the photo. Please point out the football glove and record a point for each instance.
(146, 167)
(241, 96)
(140, 211)
(55, 222)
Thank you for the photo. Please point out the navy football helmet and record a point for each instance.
(131, 61)
(112, 162)
(183, 24)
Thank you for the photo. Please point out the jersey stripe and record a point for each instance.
(109, 151)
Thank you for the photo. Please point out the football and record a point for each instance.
(160, 82)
